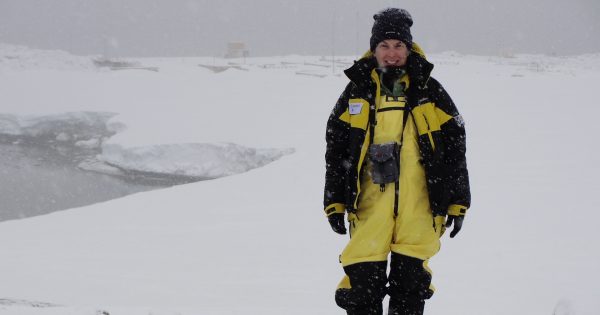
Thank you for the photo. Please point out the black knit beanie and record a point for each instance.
(391, 23)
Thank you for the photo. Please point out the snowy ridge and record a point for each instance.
(11, 302)
(526, 63)
(83, 129)
(23, 58)
(90, 130)
(202, 160)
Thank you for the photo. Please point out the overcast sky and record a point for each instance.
(276, 27)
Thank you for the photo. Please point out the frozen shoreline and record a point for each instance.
(92, 131)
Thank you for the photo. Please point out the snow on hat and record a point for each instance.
(391, 23)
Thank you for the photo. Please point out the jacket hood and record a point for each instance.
(417, 67)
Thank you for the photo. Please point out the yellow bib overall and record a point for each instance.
(375, 229)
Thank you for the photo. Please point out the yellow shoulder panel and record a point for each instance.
(345, 117)
(425, 118)
(358, 113)
(442, 116)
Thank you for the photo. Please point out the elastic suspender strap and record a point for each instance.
(372, 123)
(396, 197)
(397, 183)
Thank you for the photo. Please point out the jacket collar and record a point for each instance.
(417, 68)
(360, 72)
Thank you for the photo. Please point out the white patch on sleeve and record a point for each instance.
(355, 108)
(459, 120)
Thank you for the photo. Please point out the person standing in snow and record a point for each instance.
(396, 167)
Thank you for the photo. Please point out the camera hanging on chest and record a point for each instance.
(385, 161)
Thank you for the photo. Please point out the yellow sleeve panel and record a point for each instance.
(335, 208)
(457, 210)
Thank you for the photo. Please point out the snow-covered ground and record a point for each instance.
(257, 242)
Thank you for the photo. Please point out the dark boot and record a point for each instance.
(367, 281)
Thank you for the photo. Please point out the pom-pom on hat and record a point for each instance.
(391, 23)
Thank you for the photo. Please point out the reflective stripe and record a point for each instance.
(335, 208)
(457, 210)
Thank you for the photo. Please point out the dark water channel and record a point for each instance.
(39, 179)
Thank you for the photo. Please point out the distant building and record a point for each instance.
(236, 50)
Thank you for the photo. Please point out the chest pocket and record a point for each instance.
(389, 117)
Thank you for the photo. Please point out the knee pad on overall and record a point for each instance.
(409, 280)
(367, 281)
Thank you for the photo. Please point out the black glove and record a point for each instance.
(458, 221)
(336, 220)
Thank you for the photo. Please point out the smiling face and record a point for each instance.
(391, 53)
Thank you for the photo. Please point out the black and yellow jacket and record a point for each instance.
(441, 138)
